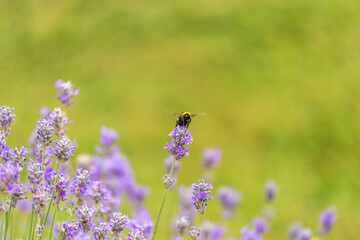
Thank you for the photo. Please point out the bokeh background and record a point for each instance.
(279, 81)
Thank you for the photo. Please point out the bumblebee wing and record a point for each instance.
(198, 114)
(172, 113)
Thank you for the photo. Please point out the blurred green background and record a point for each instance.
(279, 81)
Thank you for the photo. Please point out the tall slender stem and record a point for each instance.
(52, 196)
(31, 224)
(34, 227)
(163, 201)
(8, 218)
(1, 226)
(52, 224)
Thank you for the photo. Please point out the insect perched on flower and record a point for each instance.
(184, 118)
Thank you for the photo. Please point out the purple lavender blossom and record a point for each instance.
(66, 92)
(181, 137)
(7, 117)
(168, 164)
(20, 156)
(101, 232)
(248, 234)
(211, 231)
(141, 218)
(186, 206)
(85, 215)
(98, 192)
(60, 191)
(294, 231)
(260, 226)
(71, 230)
(229, 199)
(182, 225)
(201, 195)
(118, 222)
(41, 197)
(80, 184)
(108, 136)
(7, 154)
(63, 149)
(137, 194)
(136, 233)
(305, 234)
(168, 181)
(211, 158)
(194, 233)
(44, 132)
(327, 220)
(9, 178)
(271, 190)
(35, 175)
(59, 122)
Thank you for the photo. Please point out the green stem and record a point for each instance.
(7, 219)
(52, 223)
(52, 196)
(1, 226)
(31, 223)
(34, 227)
(71, 213)
(162, 202)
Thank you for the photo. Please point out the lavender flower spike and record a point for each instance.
(181, 137)
(182, 225)
(260, 226)
(229, 199)
(85, 216)
(102, 231)
(271, 190)
(201, 195)
(168, 181)
(327, 220)
(305, 234)
(63, 149)
(294, 231)
(118, 222)
(66, 92)
(6, 119)
(44, 132)
(59, 121)
(211, 158)
(194, 233)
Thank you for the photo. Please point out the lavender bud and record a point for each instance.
(211, 231)
(194, 233)
(85, 216)
(66, 92)
(229, 199)
(19, 156)
(181, 137)
(63, 149)
(305, 234)
(44, 132)
(7, 154)
(271, 190)
(168, 182)
(59, 122)
(102, 231)
(294, 231)
(7, 117)
(211, 158)
(80, 183)
(41, 198)
(327, 220)
(136, 233)
(98, 192)
(182, 225)
(260, 226)
(201, 195)
(118, 222)
(39, 230)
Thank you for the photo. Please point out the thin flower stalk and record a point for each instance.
(163, 201)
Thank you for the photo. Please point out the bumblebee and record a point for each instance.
(184, 119)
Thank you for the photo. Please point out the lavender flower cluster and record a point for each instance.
(89, 197)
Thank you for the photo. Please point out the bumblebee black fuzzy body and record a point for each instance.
(184, 119)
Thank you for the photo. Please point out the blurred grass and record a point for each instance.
(279, 81)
